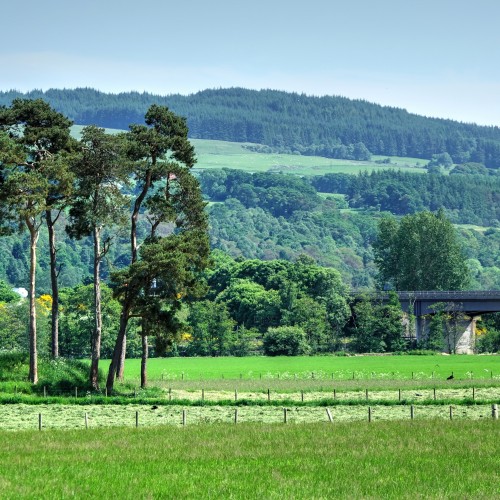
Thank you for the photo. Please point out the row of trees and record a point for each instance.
(330, 126)
(468, 199)
(45, 174)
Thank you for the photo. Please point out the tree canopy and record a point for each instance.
(420, 252)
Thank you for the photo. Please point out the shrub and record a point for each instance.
(285, 341)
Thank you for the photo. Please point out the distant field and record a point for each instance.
(221, 154)
(319, 367)
(423, 459)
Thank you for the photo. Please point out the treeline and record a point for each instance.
(251, 307)
(467, 199)
(275, 216)
(328, 126)
(243, 221)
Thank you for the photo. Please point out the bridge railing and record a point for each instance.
(438, 295)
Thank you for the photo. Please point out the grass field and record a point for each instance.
(319, 368)
(17, 417)
(418, 459)
(222, 154)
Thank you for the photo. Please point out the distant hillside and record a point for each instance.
(334, 127)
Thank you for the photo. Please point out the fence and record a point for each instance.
(285, 415)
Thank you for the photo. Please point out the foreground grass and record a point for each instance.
(337, 368)
(431, 459)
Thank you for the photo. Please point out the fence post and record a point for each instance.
(302, 395)
(268, 395)
(76, 392)
(170, 393)
(86, 421)
(399, 394)
(284, 415)
(334, 394)
(434, 394)
(369, 414)
(137, 419)
(236, 394)
(44, 391)
(412, 412)
(473, 393)
(451, 412)
(494, 411)
(366, 394)
(203, 394)
(184, 417)
(329, 414)
(39, 421)
(236, 415)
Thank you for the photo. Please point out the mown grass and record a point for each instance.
(336, 368)
(419, 459)
(24, 417)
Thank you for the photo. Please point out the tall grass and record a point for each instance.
(419, 459)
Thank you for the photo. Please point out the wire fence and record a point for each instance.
(178, 416)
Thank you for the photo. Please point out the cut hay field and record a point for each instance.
(402, 459)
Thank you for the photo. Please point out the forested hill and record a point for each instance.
(288, 122)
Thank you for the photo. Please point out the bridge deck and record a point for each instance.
(472, 302)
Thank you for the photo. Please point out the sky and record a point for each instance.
(436, 58)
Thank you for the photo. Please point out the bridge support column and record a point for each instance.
(459, 335)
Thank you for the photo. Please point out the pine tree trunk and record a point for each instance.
(144, 361)
(117, 366)
(33, 371)
(115, 360)
(54, 285)
(96, 336)
(121, 364)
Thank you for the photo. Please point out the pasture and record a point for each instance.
(338, 368)
(426, 459)
(259, 427)
(220, 154)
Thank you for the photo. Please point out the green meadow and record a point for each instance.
(404, 367)
(222, 154)
(418, 459)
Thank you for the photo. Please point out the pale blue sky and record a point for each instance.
(432, 57)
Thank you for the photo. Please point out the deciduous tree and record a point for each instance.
(420, 252)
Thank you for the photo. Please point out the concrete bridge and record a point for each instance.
(465, 307)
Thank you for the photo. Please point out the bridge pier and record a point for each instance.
(459, 335)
